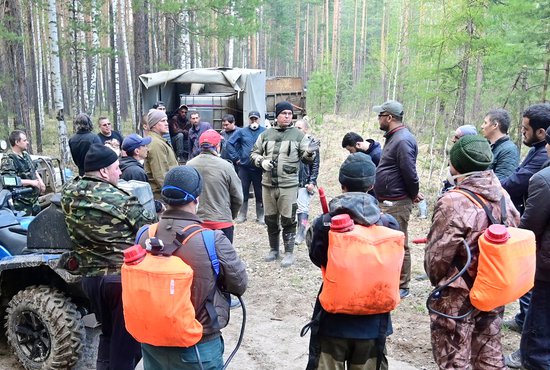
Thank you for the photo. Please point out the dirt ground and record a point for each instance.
(279, 302)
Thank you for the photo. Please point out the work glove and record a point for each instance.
(313, 146)
(267, 165)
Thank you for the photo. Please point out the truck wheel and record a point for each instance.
(44, 328)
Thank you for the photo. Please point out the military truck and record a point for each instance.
(213, 92)
(291, 89)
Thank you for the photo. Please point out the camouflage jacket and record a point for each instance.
(285, 148)
(102, 221)
(457, 218)
(23, 167)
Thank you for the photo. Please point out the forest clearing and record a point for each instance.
(279, 302)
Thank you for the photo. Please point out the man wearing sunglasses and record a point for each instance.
(397, 184)
(106, 132)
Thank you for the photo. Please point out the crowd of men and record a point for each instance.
(200, 176)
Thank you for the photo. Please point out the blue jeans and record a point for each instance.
(523, 307)
(178, 358)
(535, 339)
(248, 176)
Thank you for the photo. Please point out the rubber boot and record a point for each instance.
(242, 213)
(302, 227)
(260, 213)
(274, 248)
(288, 240)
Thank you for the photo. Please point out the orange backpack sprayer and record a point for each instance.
(506, 263)
(363, 268)
(156, 291)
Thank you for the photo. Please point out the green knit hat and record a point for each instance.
(471, 153)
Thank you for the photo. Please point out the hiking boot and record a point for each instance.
(512, 324)
(242, 213)
(513, 360)
(404, 293)
(260, 213)
(288, 259)
(272, 256)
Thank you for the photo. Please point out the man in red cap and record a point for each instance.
(222, 195)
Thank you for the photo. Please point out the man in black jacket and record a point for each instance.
(80, 142)
(535, 338)
(397, 184)
(136, 150)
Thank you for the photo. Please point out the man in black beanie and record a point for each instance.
(102, 221)
(343, 338)
(182, 188)
(278, 151)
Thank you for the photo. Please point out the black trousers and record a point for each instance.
(117, 350)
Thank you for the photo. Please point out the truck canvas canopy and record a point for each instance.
(209, 90)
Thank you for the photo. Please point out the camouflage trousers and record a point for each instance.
(470, 343)
(357, 354)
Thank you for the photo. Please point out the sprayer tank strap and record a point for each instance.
(482, 203)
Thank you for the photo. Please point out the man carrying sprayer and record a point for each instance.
(279, 150)
(474, 341)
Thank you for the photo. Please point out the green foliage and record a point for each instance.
(321, 93)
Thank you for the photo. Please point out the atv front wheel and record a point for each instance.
(44, 328)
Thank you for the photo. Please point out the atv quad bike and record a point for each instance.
(40, 293)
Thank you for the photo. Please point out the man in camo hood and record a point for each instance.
(102, 221)
(472, 342)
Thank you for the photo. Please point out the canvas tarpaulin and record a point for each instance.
(249, 84)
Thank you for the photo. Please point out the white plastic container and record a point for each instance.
(142, 190)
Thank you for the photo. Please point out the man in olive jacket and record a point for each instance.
(279, 150)
(161, 157)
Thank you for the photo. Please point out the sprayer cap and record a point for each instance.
(497, 234)
(341, 223)
(134, 254)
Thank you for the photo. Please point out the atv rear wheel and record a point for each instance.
(44, 328)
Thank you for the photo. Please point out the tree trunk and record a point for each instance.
(545, 85)
(18, 65)
(384, 51)
(354, 73)
(37, 77)
(476, 105)
(335, 33)
(141, 52)
(56, 79)
(94, 59)
(127, 60)
(114, 65)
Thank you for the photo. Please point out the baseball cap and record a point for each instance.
(210, 137)
(183, 106)
(134, 141)
(254, 114)
(391, 106)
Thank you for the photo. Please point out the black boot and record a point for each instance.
(288, 241)
(273, 248)
(302, 228)
(242, 213)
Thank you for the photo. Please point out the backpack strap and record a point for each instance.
(209, 238)
(152, 229)
(480, 202)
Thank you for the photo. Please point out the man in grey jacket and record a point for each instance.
(222, 195)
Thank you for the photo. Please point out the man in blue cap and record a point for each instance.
(136, 150)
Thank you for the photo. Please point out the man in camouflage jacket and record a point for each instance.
(473, 342)
(103, 220)
(279, 150)
(19, 163)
